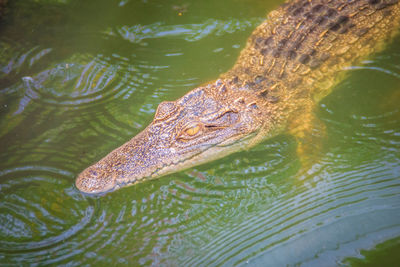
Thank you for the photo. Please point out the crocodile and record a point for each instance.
(290, 62)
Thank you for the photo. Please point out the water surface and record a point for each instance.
(80, 78)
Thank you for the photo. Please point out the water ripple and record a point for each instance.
(16, 60)
(73, 84)
(286, 220)
(35, 214)
(68, 99)
(375, 68)
(188, 32)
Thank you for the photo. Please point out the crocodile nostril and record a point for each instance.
(94, 173)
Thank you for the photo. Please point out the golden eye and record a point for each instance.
(193, 130)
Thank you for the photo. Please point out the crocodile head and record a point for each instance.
(203, 125)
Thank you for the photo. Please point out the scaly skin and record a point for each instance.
(290, 62)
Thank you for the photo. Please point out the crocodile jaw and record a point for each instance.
(210, 154)
(102, 177)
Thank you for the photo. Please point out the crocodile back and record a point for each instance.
(300, 50)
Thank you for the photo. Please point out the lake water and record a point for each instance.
(80, 78)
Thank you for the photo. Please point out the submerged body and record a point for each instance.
(290, 62)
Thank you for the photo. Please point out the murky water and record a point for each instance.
(79, 78)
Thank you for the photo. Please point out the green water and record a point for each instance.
(79, 78)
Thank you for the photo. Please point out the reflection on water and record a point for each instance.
(78, 86)
(193, 32)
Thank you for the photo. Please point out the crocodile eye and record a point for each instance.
(193, 130)
(165, 110)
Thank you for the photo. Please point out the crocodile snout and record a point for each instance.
(94, 180)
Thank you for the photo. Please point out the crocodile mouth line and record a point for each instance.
(194, 156)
